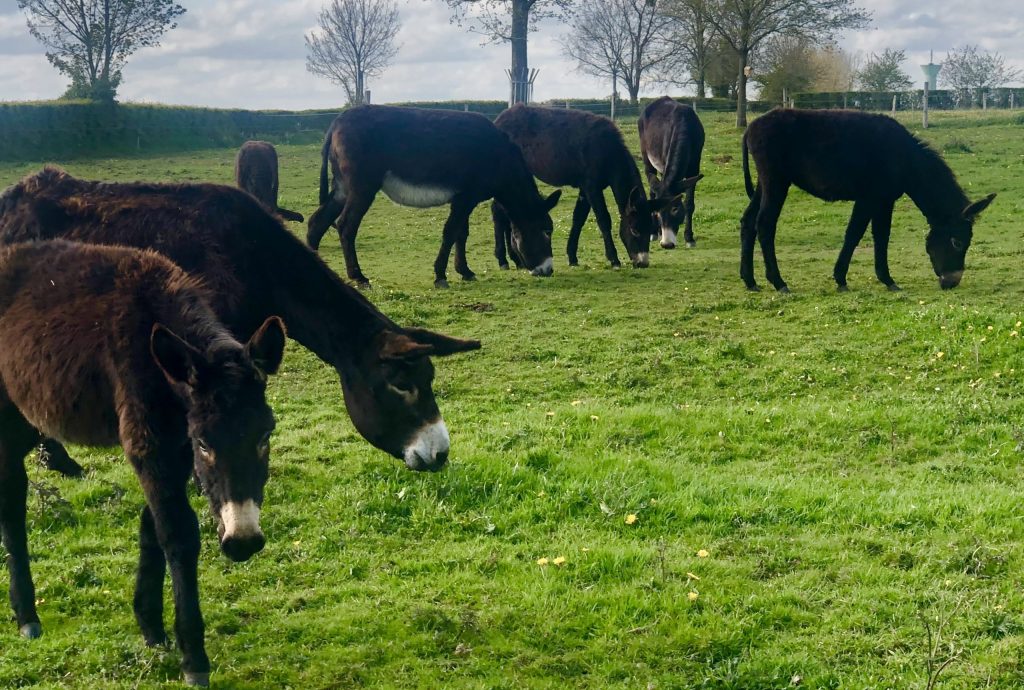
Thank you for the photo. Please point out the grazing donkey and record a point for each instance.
(256, 173)
(871, 160)
(578, 149)
(425, 158)
(105, 345)
(671, 143)
(255, 268)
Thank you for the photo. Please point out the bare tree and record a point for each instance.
(836, 69)
(695, 38)
(883, 73)
(788, 66)
(90, 40)
(509, 21)
(621, 38)
(355, 40)
(968, 69)
(746, 24)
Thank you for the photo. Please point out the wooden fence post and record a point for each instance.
(924, 104)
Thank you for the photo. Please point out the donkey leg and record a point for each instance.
(461, 265)
(767, 223)
(748, 235)
(881, 224)
(456, 225)
(604, 223)
(54, 456)
(149, 583)
(854, 232)
(502, 236)
(356, 206)
(689, 206)
(16, 439)
(579, 217)
(321, 221)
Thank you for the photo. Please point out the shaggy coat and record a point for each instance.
(256, 173)
(424, 158)
(253, 268)
(107, 345)
(586, 151)
(671, 143)
(869, 159)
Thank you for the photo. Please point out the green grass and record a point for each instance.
(850, 463)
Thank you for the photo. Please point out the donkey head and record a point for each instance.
(636, 227)
(389, 396)
(229, 422)
(669, 211)
(531, 236)
(948, 241)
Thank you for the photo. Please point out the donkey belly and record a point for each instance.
(415, 195)
(658, 164)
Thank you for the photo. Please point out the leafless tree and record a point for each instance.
(969, 69)
(509, 21)
(355, 40)
(90, 40)
(695, 38)
(621, 38)
(746, 24)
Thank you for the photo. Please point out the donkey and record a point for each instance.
(671, 143)
(423, 158)
(256, 173)
(871, 160)
(578, 149)
(105, 345)
(255, 268)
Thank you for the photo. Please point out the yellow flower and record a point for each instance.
(559, 561)
(594, 418)
(1013, 334)
(577, 402)
(692, 596)
(549, 413)
(940, 354)
(631, 518)
(542, 561)
(702, 554)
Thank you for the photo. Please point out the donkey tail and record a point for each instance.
(746, 169)
(324, 155)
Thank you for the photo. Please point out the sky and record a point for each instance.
(251, 54)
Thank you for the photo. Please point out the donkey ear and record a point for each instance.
(399, 346)
(637, 198)
(266, 347)
(974, 210)
(442, 345)
(691, 182)
(176, 358)
(552, 200)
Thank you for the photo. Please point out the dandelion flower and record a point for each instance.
(940, 355)
(577, 402)
(594, 418)
(631, 518)
(549, 413)
(703, 553)
(559, 560)
(542, 561)
(692, 596)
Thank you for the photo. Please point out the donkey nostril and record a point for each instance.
(440, 460)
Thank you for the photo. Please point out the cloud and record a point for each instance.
(251, 53)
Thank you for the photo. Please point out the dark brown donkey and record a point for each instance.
(671, 143)
(586, 151)
(425, 158)
(871, 160)
(256, 268)
(256, 173)
(107, 345)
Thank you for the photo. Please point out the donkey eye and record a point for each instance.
(409, 394)
(957, 244)
(203, 448)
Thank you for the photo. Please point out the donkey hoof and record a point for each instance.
(784, 290)
(691, 243)
(893, 287)
(753, 287)
(31, 631)
(843, 288)
(469, 277)
(574, 262)
(441, 283)
(616, 265)
(363, 284)
(197, 680)
(503, 267)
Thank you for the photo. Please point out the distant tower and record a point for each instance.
(931, 71)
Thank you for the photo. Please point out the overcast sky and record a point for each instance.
(251, 54)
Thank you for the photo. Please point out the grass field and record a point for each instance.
(816, 479)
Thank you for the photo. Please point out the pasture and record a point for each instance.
(657, 479)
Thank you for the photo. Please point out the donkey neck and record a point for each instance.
(322, 312)
(624, 178)
(933, 187)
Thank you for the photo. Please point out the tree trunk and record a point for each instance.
(700, 86)
(520, 67)
(741, 90)
(634, 92)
